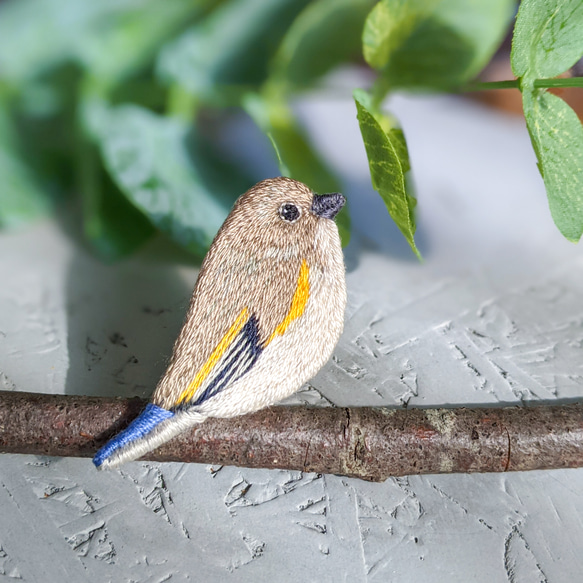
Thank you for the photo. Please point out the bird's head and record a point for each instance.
(281, 211)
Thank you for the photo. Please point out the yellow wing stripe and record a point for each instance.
(299, 301)
(215, 356)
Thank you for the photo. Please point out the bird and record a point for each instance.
(265, 315)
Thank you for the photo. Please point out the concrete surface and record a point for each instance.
(493, 316)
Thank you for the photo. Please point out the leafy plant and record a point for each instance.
(103, 101)
(548, 40)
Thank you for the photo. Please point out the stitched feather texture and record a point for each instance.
(265, 315)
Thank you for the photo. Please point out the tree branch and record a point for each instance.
(364, 442)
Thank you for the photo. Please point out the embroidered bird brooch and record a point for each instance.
(265, 315)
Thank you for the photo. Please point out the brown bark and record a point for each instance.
(369, 443)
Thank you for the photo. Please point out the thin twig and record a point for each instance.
(365, 442)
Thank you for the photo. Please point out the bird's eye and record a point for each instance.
(289, 212)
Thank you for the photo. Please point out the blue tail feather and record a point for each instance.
(151, 416)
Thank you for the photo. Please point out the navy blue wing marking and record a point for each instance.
(238, 361)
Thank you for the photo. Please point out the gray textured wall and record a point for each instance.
(494, 315)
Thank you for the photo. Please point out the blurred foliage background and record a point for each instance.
(100, 102)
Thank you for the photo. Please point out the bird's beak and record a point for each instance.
(327, 206)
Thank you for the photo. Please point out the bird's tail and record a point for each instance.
(153, 427)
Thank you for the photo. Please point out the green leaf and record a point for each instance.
(165, 169)
(297, 159)
(548, 37)
(231, 47)
(433, 43)
(122, 44)
(388, 161)
(557, 137)
(113, 226)
(36, 35)
(44, 117)
(325, 34)
(22, 197)
(111, 39)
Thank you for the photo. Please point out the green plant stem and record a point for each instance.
(181, 104)
(568, 82)
(87, 183)
(515, 84)
(488, 85)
